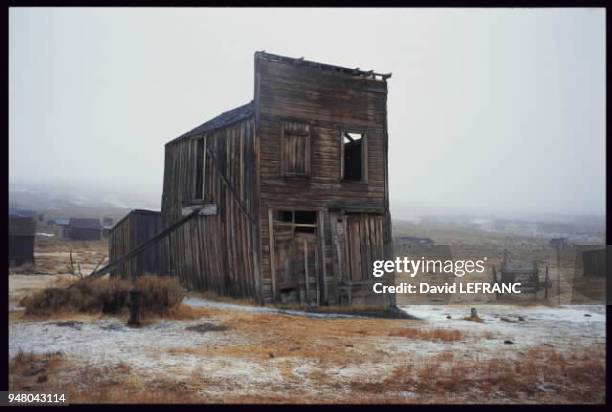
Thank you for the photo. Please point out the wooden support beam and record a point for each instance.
(231, 188)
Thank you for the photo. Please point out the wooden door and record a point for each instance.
(364, 244)
(296, 263)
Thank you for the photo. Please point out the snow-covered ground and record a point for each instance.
(558, 327)
(150, 349)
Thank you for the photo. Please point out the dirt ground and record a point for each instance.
(221, 352)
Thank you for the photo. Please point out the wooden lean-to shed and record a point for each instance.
(22, 232)
(291, 188)
(133, 229)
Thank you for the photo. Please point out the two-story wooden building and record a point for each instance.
(293, 188)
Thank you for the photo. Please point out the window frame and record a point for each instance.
(196, 142)
(276, 221)
(364, 155)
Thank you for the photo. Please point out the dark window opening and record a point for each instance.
(305, 217)
(284, 216)
(352, 150)
(303, 221)
(199, 181)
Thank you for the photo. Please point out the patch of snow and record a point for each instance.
(556, 327)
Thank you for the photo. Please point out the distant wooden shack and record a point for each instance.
(61, 227)
(292, 190)
(559, 243)
(136, 227)
(22, 232)
(83, 229)
(594, 263)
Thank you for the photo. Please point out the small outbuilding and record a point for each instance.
(559, 243)
(594, 263)
(132, 230)
(83, 229)
(22, 232)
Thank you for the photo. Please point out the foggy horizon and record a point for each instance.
(499, 110)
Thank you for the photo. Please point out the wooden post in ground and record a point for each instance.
(135, 302)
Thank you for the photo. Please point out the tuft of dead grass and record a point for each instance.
(432, 335)
(161, 296)
(28, 366)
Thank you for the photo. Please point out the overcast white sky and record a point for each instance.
(489, 109)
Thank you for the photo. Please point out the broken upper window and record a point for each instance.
(354, 156)
(295, 149)
(199, 172)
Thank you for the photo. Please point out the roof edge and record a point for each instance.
(370, 74)
(225, 119)
(133, 212)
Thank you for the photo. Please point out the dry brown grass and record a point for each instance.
(186, 312)
(432, 335)
(534, 375)
(28, 371)
(279, 337)
(161, 296)
(577, 378)
(100, 295)
(23, 360)
(54, 373)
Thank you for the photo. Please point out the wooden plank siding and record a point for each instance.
(213, 252)
(135, 228)
(22, 232)
(326, 104)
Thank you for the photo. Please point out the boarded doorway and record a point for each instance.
(295, 256)
(364, 244)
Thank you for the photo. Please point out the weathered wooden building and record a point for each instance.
(83, 229)
(22, 232)
(132, 230)
(594, 262)
(293, 189)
